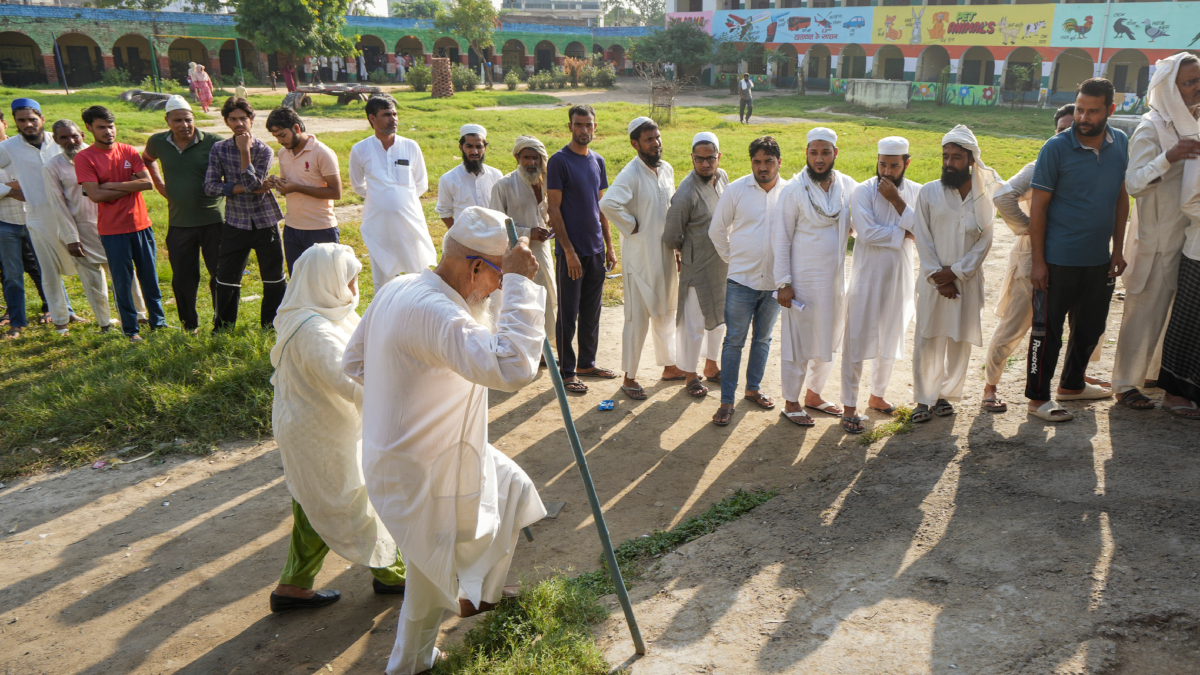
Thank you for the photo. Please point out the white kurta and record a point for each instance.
(318, 424)
(459, 189)
(452, 501)
(947, 234)
(810, 254)
(391, 182)
(880, 300)
(513, 197)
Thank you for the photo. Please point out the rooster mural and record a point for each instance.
(1079, 29)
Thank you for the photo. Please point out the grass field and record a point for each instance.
(93, 394)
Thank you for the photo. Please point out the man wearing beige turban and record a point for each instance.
(521, 195)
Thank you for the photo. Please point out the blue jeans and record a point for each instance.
(129, 254)
(745, 307)
(11, 239)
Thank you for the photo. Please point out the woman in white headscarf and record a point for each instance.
(317, 419)
(203, 86)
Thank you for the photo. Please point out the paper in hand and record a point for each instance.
(796, 304)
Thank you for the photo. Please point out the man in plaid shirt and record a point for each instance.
(237, 169)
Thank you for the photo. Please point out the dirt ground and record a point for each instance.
(978, 543)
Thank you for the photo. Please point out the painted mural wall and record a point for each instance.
(984, 25)
(837, 25)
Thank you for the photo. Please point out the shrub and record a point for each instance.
(559, 77)
(419, 76)
(463, 78)
(605, 76)
(574, 68)
(378, 77)
(116, 77)
(169, 86)
(512, 79)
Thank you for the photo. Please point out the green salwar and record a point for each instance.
(306, 554)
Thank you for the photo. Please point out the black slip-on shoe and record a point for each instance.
(383, 589)
(280, 603)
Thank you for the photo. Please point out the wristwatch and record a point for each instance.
(783, 286)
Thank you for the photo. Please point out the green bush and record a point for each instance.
(512, 80)
(419, 76)
(378, 77)
(116, 77)
(169, 86)
(560, 77)
(463, 78)
(604, 75)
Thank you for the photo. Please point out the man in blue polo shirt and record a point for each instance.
(1079, 207)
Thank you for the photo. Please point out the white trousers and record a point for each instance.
(639, 320)
(939, 368)
(692, 342)
(795, 375)
(378, 276)
(91, 275)
(1143, 324)
(881, 375)
(1012, 328)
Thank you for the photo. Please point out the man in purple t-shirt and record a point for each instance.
(575, 181)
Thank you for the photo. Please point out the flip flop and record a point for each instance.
(674, 379)
(794, 418)
(1091, 392)
(722, 417)
(697, 389)
(1182, 410)
(825, 408)
(890, 410)
(761, 401)
(942, 408)
(714, 378)
(1046, 410)
(847, 421)
(635, 393)
(602, 373)
(576, 387)
(997, 404)
(1130, 397)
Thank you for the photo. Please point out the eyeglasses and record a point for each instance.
(705, 160)
(498, 270)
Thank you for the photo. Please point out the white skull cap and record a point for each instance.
(481, 230)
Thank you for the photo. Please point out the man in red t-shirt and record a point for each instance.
(113, 176)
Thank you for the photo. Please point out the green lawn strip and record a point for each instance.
(407, 102)
(901, 423)
(547, 630)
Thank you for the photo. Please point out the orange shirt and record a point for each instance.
(308, 167)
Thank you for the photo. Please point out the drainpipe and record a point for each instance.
(1103, 37)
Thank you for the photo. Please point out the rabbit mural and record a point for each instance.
(916, 28)
(939, 25)
(892, 33)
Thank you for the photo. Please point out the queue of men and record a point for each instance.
(382, 421)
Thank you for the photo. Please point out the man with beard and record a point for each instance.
(194, 217)
(1079, 206)
(113, 176)
(16, 253)
(23, 157)
(1166, 137)
(809, 237)
(741, 233)
(637, 203)
(426, 354)
(76, 217)
(469, 183)
(521, 195)
(311, 181)
(700, 322)
(576, 178)
(880, 300)
(388, 172)
(1015, 306)
(953, 235)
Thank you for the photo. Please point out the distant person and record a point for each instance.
(310, 180)
(576, 179)
(317, 421)
(204, 88)
(194, 217)
(237, 169)
(113, 176)
(388, 172)
(469, 183)
(745, 98)
(1079, 209)
(700, 312)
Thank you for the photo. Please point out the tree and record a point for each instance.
(295, 27)
(361, 8)
(416, 9)
(472, 20)
(206, 6)
(683, 43)
(634, 12)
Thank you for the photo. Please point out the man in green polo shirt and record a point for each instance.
(194, 217)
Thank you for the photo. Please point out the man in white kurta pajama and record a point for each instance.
(317, 421)
(388, 172)
(953, 237)
(521, 195)
(1167, 136)
(879, 304)
(426, 359)
(808, 235)
(637, 202)
(471, 182)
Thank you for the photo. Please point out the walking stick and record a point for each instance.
(581, 462)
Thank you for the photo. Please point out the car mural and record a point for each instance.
(855, 22)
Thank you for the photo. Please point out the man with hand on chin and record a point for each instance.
(237, 169)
